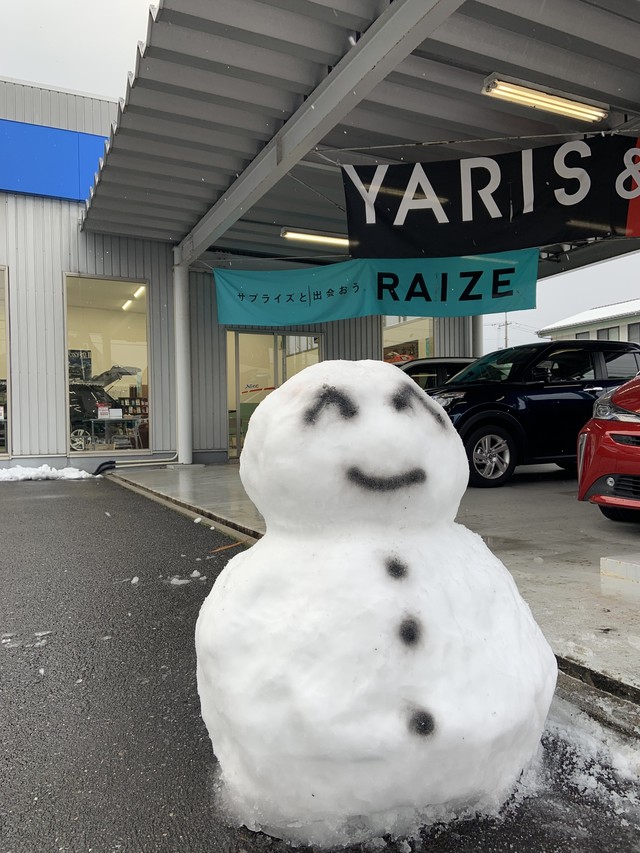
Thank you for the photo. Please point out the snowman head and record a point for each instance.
(346, 442)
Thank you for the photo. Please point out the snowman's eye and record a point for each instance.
(330, 396)
(407, 396)
(403, 399)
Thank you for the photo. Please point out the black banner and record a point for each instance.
(554, 194)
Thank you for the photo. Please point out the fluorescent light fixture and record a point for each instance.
(518, 92)
(126, 304)
(324, 237)
(139, 291)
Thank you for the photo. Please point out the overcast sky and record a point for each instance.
(84, 45)
(90, 46)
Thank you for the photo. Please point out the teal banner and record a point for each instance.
(416, 287)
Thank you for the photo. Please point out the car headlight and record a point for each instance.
(605, 410)
(448, 398)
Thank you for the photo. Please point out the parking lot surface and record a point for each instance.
(103, 746)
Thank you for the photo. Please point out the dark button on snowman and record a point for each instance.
(369, 664)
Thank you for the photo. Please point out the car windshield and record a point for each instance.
(497, 366)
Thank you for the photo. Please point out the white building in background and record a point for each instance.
(617, 322)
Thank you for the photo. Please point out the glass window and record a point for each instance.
(107, 354)
(496, 366)
(300, 351)
(4, 413)
(621, 366)
(406, 338)
(612, 333)
(425, 375)
(570, 365)
(256, 364)
(582, 336)
(633, 332)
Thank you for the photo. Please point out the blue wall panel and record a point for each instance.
(47, 161)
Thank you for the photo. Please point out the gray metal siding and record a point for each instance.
(452, 336)
(354, 339)
(40, 241)
(208, 366)
(33, 104)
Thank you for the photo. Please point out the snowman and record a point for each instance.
(369, 664)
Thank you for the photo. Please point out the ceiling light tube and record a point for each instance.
(126, 304)
(323, 237)
(518, 92)
(139, 291)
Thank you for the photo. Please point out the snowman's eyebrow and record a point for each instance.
(403, 397)
(330, 396)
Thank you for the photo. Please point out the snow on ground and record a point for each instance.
(44, 472)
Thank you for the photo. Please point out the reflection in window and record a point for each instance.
(621, 366)
(4, 412)
(107, 356)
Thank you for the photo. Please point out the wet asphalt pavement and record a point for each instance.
(103, 748)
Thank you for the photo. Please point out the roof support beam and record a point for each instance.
(401, 28)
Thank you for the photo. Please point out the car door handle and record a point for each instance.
(593, 388)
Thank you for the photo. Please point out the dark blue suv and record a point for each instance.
(526, 404)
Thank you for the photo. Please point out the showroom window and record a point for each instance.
(4, 372)
(107, 357)
(406, 338)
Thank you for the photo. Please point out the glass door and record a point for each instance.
(256, 364)
(253, 374)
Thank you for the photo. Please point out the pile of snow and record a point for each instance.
(44, 472)
(368, 666)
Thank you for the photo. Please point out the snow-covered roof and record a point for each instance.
(595, 315)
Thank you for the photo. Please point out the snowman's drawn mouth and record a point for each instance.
(386, 484)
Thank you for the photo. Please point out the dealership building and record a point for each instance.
(230, 141)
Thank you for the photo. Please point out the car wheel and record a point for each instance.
(614, 513)
(79, 438)
(491, 452)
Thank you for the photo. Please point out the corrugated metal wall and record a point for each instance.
(452, 336)
(354, 339)
(208, 366)
(67, 110)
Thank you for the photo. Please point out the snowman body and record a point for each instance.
(369, 659)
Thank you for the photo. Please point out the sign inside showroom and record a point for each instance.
(553, 194)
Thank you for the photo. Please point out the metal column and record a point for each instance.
(184, 415)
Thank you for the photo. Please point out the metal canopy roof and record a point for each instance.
(241, 111)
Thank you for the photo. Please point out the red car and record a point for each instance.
(609, 454)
